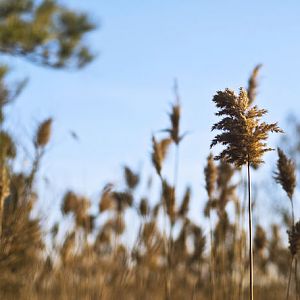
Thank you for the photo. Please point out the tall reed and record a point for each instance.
(244, 136)
(286, 177)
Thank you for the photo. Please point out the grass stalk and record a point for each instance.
(250, 232)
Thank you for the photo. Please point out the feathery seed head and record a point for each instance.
(252, 84)
(294, 238)
(43, 133)
(106, 201)
(131, 178)
(210, 172)
(149, 229)
(118, 225)
(70, 203)
(183, 210)
(260, 239)
(7, 146)
(81, 210)
(175, 120)
(168, 195)
(144, 207)
(286, 173)
(174, 116)
(242, 133)
(159, 152)
(155, 210)
(122, 200)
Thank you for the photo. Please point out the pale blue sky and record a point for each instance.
(117, 102)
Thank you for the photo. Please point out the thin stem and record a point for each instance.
(2, 199)
(289, 282)
(166, 248)
(212, 259)
(296, 278)
(176, 167)
(3, 193)
(293, 215)
(170, 244)
(250, 232)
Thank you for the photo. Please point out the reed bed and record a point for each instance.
(173, 257)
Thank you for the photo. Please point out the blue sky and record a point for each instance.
(118, 101)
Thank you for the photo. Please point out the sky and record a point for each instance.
(116, 103)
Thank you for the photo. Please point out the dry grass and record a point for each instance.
(173, 259)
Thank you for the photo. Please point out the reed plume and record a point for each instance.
(286, 177)
(294, 239)
(244, 137)
(44, 133)
(42, 138)
(184, 208)
(252, 84)
(210, 172)
(144, 207)
(131, 178)
(159, 152)
(243, 134)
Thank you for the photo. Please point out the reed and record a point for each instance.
(243, 135)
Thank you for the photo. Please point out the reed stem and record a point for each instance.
(250, 232)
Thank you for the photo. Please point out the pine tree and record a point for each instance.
(45, 33)
(50, 35)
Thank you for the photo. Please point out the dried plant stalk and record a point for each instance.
(244, 137)
(286, 177)
(252, 84)
(4, 192)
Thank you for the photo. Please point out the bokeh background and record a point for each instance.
(105, 114)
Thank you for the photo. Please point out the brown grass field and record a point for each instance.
(224, 255)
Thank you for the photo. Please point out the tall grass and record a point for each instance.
(173, 256)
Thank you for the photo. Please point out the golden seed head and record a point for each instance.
(118, 225)
(104, 236)
(149, 229)
(199, 241)
(286, 173)
(122, 200)
(210, 172)
(144, 207)
(252, 84)
(168, 195)
(184, 208)
(87, 222)
(260, 239)
(44, 133)
(132, 179)
(175, 120)
(159, 153)
(83, 205)
(106, 201)
(174, 117)
(294, 238)
(68, 247)
(7, 146)
(242, 132)
(70, 203)
(155, 210)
